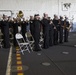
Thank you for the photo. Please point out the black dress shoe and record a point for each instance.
(66, 41)
(39, 49)
(60, 42)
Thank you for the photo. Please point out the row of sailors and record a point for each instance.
(52, 30)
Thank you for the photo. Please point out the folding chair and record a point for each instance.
(23, 45)
(30, 40)
(41, 40)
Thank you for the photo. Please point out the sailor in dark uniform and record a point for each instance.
(66, 29)
(5, 30)
(51, 33)
(45, 25)
(37, 32)
(61, 23)
(27, 25)
(15, 30)
(23, 28)
(10, 21)
(56, 28)
(31, 25)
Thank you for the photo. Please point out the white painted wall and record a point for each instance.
(30, 7)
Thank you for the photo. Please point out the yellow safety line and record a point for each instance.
(20, 74)
(19, 63)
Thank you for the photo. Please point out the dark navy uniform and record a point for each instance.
(61, 31)
(45, 25)
(15, 30)
(5, 31)
(31, 27)
(23, 29)
(51, 33)
(55, 22)
(37, 34)
(66, 30)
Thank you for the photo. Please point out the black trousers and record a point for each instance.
(51, 38)
(36, 38)
(23, 34)
(15, 30)
(61, 35)
(32, 30)
(46, 38)
(55, 37)
(66, 32)
(6, 36)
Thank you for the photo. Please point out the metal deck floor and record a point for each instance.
(57, 60)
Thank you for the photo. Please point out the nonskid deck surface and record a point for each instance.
(57, 60)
